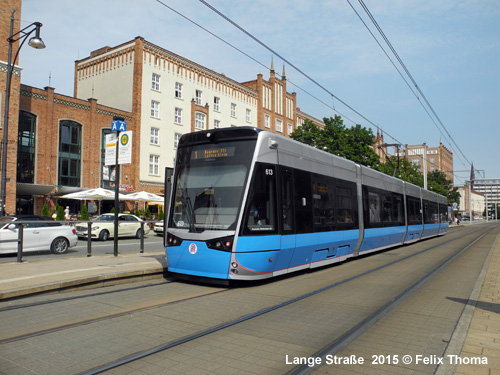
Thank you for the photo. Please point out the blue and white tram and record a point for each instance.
(250, 204)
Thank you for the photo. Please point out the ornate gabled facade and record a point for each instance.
(171, 96)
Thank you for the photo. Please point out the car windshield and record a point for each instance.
(209, 185)
(105, 218)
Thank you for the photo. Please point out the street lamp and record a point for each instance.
(35, 42)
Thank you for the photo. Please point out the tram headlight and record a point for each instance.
(173, 240)
(222, 244)
(234, 265)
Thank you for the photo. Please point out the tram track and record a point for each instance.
(212, 329)
(337, 343)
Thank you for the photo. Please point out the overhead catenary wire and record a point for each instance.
(333, 96)
(381, 32)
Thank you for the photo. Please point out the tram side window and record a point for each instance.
(398, 209)
(414, 211)
(260, 217)
(430, 213)
(303, 201)
(346, 199)
(323, 203)
(443, 211)
(387, 208)
(374, 207)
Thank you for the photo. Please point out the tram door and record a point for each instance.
(286, 210)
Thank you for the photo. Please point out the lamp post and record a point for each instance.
(35, 42)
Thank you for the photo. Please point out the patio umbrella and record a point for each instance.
(144, 196)
(98, 194)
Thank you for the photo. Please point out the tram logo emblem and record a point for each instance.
(193, 248)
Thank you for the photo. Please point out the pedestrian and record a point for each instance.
(66, 213)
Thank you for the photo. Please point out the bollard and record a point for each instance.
(20, 243)
(142, 237)
(89, 239)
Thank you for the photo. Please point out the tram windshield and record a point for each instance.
(209, 185)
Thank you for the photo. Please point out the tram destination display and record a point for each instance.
(213, 153)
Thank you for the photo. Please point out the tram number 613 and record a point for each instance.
(269, 172)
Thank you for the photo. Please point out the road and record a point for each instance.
(152, 242)
(381, 313)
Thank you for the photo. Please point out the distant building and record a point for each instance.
(490, 188)
(471, 203)
(430, 158)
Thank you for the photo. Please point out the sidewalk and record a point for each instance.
(20, 279)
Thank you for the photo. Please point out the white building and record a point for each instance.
(170, 96)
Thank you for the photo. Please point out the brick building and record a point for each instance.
(171, 96)
(56, 143)
(436, 158)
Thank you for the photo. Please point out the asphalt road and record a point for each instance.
(152, 242)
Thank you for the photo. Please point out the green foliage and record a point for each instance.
(438, 183)
(45, 210)
(84, 213)
(59, 212)
(353, 143)
(405, 170)
(161, 215)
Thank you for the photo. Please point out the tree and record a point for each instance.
(59, 213)
(85, 212)
(405, 171)
(438, 183)
(45, 210)
(353, 143)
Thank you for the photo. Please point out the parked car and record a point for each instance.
(103, 227)
(39, 234)
(158, 228)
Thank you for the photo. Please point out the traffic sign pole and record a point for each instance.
(117, 125)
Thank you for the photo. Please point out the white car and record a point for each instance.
(158, 228)
(39, 234)
(104, 227)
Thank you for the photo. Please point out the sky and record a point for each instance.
(450, 48)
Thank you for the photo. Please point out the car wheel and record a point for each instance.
(104, 235)
(138, 233)
(60, 245)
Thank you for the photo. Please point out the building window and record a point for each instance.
(178, 116)
(155, 109)
(26, 148)
(70, 134)
(233, 110)
(279, 125)
(199, 97)
(177, 137)
(154, 165)
(290, 129)
(249, 115)
(155, 136)
(216, 104)
(178, 90)
(267, 121)
(199, 122)
(415, 162)
(155, 84)
(216, 124)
